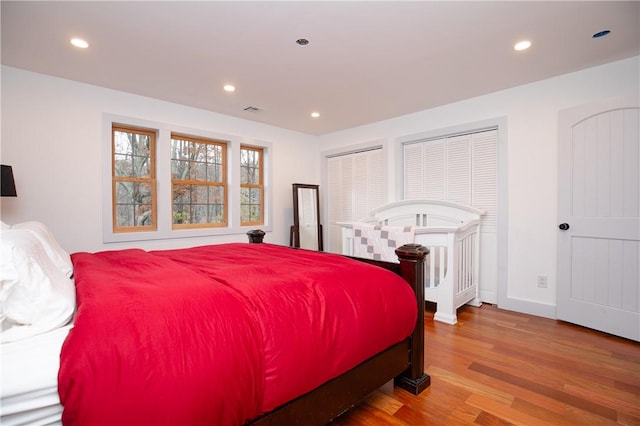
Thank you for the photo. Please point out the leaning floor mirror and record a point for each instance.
(306, 231)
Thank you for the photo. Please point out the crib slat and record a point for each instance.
(468, 260)
(460, 266)
(467, 256)
(432, 270)
(465, 265)
(443, 269)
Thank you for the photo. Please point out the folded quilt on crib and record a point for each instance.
(379, 242)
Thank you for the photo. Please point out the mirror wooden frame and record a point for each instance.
(299, 219)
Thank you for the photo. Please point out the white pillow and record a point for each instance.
(58, 256)
(35, 295)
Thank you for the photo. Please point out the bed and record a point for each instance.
(451, 232)
(195, 342)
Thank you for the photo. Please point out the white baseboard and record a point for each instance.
(528, 307)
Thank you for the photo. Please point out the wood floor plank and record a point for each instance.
(566, 415)
(384, 402)
(506, 412)
(367, 415)
(470, 385)
(614, 401)
(604, 374)
(502, 368)
(632, 388)
(596, 408)
(560, 375)
(448, 404)
(487, 419)
(624, 419)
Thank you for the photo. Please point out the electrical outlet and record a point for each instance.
(542, 281)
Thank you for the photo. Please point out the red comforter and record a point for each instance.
(219, 334)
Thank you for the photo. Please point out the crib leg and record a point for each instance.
(449, 318)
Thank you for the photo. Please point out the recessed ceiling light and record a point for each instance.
(229, 88)
(601, 34)
(315, 114)
(522, 45)
(78, 42)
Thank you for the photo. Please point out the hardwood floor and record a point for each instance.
(497, 367)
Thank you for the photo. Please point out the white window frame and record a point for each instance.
(163, 175)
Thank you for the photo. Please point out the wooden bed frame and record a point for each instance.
(403, 362)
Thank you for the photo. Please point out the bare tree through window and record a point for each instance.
(199, 175)
(251, 186)
(133, 179)
(198, 178)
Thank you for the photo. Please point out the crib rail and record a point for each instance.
(451, 233)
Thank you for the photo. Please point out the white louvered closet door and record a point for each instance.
(458, 168)
(463, 169)
(356, 185)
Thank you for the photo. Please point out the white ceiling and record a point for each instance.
(366, 61)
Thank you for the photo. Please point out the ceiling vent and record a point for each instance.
(252, 109)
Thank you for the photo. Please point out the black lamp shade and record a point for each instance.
(7, 183)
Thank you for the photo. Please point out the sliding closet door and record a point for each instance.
(356, 185)
(460, 168)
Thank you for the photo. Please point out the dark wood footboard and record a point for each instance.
(411, 258)
(403, 362)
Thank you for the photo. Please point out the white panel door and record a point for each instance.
(599, 213)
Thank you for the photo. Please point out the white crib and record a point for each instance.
(451, 233)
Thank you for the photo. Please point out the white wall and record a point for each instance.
(52, 136)
(531, 112)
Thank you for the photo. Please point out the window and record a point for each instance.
(163, 181)
(198, 182)
(133, 179)
(251, 186)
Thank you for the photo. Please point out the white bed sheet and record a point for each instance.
(29, 385)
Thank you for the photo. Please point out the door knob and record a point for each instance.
(564, 226)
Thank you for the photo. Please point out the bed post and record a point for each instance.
(256, 235)
(412, 270)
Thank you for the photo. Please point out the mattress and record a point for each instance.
(29, 385)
